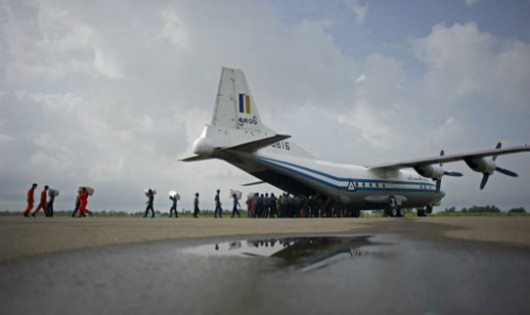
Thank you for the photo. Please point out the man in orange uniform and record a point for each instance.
(83, 201)
(42, 203)
(30, 199)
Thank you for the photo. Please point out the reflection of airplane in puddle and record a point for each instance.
(302, 253)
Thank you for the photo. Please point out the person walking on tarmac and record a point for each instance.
(174, 206)
(236, 204)
(42, 204)
(50, 202)
(150, 199)
(30, 199)
(83, 202)
(196, 205)
(76, 208)
(218, 208)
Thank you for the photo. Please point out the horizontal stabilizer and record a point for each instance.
(254, 183)
(195, 158)
(258, 144)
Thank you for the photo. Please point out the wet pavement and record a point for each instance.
(333, 274)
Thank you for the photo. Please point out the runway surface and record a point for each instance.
(248, 266)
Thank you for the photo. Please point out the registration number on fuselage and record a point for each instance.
(282, 145)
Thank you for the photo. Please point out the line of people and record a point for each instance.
(258, 205)
(174, 197)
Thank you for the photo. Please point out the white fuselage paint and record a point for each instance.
(356, 187)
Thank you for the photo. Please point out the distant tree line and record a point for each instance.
(484, 209)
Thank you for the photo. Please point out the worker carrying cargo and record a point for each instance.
(150, 194)
(174, 197)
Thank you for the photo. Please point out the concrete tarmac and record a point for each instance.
(455, 265)
(26, 237)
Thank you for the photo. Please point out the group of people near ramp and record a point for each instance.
(292, 206)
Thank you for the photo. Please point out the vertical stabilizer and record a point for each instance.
(236, 125)
(234, 106)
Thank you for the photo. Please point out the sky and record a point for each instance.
(110, 94)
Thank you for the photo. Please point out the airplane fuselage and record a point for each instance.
(356, 187)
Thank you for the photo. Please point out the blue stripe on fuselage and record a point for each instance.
(278, 163)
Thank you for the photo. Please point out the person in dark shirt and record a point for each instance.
(218, 208)
(173, 206)
(150, 200)
(52, 194)
(236, 204)
(77, 203)
(196, 205)
(273, 206)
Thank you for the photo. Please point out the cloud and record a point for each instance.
(67, 101)
(5, 139)
(462, 61)
(369, 122)
(55, 44)
(174, 29)
(472, 2)
(358, 9)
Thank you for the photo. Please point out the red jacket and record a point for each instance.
(43, 196)
(31, 191)
(83, 198)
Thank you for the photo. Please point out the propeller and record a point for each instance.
(501, 170)
(448, 173)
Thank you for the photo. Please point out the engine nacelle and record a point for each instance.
(480, 165)
(430, 171)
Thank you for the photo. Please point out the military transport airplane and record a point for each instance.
(238, 136)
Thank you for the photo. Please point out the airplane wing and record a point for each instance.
(450, 158)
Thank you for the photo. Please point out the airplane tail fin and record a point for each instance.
(236, 124)
(234, 105)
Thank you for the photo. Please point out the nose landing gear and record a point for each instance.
(422, 212)
(394, 210)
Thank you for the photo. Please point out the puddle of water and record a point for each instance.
(302, 253)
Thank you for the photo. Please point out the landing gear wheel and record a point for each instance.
(394, 212)
(428, 209)
(400, 212)
(356, 213)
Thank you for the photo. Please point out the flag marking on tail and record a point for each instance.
(244, 103)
